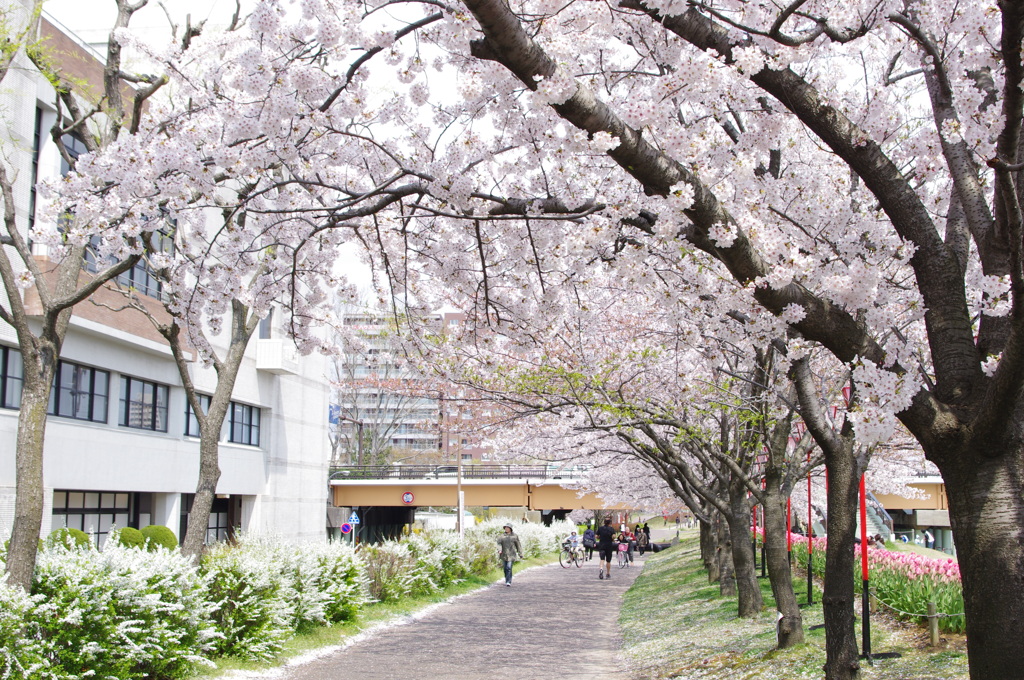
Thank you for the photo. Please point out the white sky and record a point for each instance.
(90, 20)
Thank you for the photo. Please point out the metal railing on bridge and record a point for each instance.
(486, 471)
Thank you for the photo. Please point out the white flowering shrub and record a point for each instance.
(252, 597)
(122, 613)
(479, 550)
(391, 570)
(327, 583)
(341, 580)
(440, 554)
(24, 655)
(266, 590)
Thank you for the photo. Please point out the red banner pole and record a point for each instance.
(810, 544)
(865, 603)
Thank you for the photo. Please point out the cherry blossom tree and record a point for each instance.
(49, 288)
(732, 129)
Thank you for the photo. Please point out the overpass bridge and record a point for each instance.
(537, 487)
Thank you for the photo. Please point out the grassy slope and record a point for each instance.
(675, 625)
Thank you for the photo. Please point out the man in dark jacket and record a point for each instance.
(605, 549)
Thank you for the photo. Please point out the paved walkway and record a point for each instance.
(552, 623)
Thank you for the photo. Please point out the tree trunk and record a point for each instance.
(838, 598)
(206, 489)
(726, 575)
(987, 516)
(28, 505)
(790, 626)
(748, 589)
(709, 550)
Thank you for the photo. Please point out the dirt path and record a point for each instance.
(552, 623)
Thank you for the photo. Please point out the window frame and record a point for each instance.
(155, 389)
(7, 380)
(190, 417)
(247, 426)
(94, 414)
(120, 506)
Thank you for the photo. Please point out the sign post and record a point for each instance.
(353, 520)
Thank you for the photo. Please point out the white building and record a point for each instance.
(402, 416)
(120, 447)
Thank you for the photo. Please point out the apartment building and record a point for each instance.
(399, 415)
(122, 447)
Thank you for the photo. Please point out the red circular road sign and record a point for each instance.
(346, 528)
(408, 498)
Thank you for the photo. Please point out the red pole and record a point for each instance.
(789, 525)
(863, 531)
(865, 608)
(810, 545)
(753, 542)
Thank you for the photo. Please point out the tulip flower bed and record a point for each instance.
(905, 582)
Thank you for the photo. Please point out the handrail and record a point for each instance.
(486, 471)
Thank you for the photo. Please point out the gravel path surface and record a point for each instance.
(551, 623)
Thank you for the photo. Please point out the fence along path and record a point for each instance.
(552, 623)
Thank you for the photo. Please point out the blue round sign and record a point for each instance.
(346, 528)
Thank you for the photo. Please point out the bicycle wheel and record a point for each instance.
(622, 559)
(565, 558)
(580, 559)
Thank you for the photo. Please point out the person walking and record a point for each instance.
(589, 542)
(605, 549)
(510, 550)
(643, 541)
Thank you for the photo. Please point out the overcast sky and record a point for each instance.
(90, 20)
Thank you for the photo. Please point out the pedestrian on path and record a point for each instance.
(510, 550)
(605, 549)
(589, 542)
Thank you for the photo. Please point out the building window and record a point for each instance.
(37, 143)
(245, 424)
(140, 277)
(218, 529)
(191, 422)
(80, 392)
(12, 376)
(143, 404)
(94, 512)
(266, 324)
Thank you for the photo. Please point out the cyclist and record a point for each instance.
(605, 549)
(629, 540)
(572, 542)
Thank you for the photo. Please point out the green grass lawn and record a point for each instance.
(675, 625)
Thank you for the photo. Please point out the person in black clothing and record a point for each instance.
(605, 549)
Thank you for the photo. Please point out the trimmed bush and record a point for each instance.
(159, 537)
(68, 538)
(128, 537)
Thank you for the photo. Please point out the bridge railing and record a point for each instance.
(486, 471)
